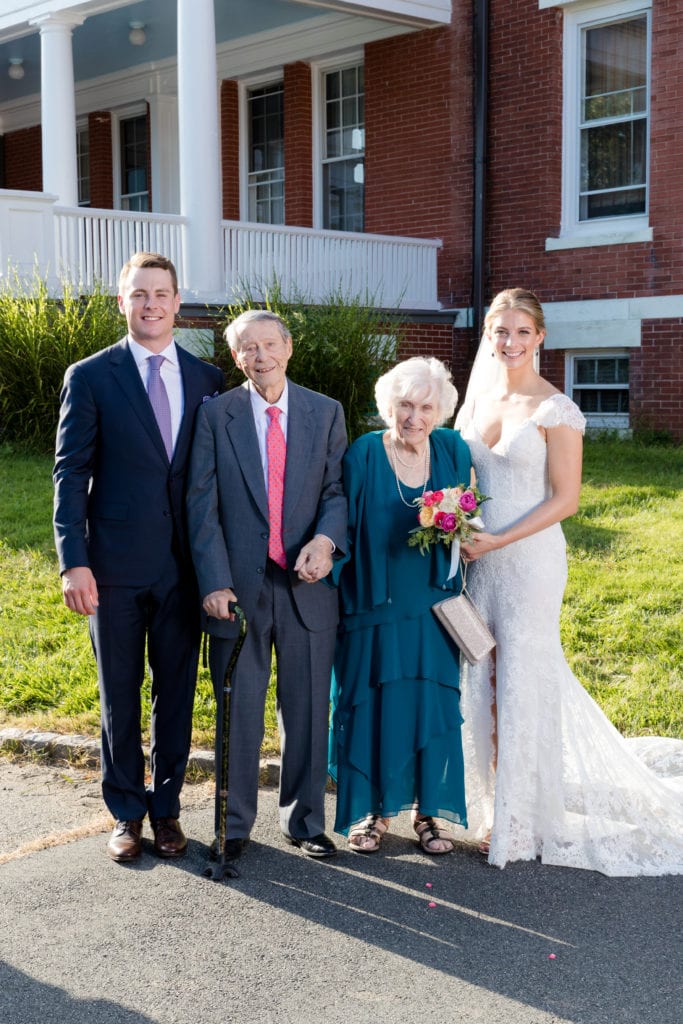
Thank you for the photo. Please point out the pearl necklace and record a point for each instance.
(395, 459)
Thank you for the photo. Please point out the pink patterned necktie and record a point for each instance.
(158, 396)
(277, 450)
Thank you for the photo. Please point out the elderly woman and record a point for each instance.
(395, 742)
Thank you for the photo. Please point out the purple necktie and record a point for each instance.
(158, 397)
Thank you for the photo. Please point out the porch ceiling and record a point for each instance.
(101, 46)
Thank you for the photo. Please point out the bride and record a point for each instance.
(547, 774)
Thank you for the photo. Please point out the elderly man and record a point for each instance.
(267, 514)
(123, 446)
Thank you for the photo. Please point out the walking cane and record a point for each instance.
(220, 868)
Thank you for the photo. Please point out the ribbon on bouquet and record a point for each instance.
(476, 524)
(455, 558)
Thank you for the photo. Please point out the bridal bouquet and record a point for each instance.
(448, 515)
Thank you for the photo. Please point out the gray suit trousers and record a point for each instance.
(304, 666)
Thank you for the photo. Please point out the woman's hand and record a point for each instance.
(479, 544)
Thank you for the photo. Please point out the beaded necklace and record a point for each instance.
(395, 460)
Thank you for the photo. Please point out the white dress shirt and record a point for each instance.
(262, 421)
(170, 374)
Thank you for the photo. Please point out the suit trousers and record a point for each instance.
(304, 667)
(164, 618)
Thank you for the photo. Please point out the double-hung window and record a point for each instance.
(613, 120)
(343, 160)
(266, 174)
(134, 152)
(606, 123)
(83, 164)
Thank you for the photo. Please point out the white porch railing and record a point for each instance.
(91, 246)
(389, 270)
(88, 247)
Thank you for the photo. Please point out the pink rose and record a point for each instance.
(437, 496)
(449, 521)
(428, 498)
(438, 518)
(468, 502)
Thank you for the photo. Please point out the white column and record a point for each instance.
(58, 106)
(199, 150)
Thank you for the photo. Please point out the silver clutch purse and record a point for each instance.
(463, 623)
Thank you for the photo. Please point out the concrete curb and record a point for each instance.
(86, 750)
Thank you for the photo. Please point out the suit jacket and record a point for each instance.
(119, 503)
(228, 505)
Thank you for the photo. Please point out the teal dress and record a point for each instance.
(395, 734)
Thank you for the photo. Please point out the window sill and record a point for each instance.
(585, 240)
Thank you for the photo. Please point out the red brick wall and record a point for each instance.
(656, 378)
(24, 159)
(418, 159)
(101, 164)
(428, 340)
(552, 366)
(230, 150)
(524, 184)
(298, 145)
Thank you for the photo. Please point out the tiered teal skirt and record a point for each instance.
(395, 740)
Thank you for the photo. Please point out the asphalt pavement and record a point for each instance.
(395, 937)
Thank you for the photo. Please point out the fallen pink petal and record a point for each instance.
(432, 904)
(552, 956)
(428, 885)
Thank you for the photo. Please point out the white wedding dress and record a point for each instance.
(568, 787)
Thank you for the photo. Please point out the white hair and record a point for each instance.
(250, 316)
(412, 377)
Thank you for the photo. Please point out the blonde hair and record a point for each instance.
(411, 377)
(516, 298)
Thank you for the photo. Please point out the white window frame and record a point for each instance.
(604, 421)
(117, 116)
(82, 128)
(244, 87)
(575, 233)
(318, 71)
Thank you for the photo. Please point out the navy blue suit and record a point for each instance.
(120, 510)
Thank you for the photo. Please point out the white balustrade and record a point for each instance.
(88, 247)
(385, 270)
(91, 246)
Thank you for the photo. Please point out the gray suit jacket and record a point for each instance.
(228, 507)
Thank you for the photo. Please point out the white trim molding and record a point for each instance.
(605, 323)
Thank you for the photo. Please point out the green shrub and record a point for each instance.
(340, 348)
(39, 338)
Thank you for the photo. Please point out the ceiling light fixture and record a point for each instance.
(137, 35)
(16, 68)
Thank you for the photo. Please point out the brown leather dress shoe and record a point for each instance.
(125, 842)
(169, 839)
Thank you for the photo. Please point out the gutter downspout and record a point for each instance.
(480, 69)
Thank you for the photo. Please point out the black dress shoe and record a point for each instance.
(315, 846)
(125, 843)
(233, 848)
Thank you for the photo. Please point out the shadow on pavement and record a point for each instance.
(573, 943)
(27, 1001)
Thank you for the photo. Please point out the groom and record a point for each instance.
(266, 515)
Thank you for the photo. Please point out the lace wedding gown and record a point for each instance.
(568, 787)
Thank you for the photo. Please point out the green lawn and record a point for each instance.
(621, 626)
